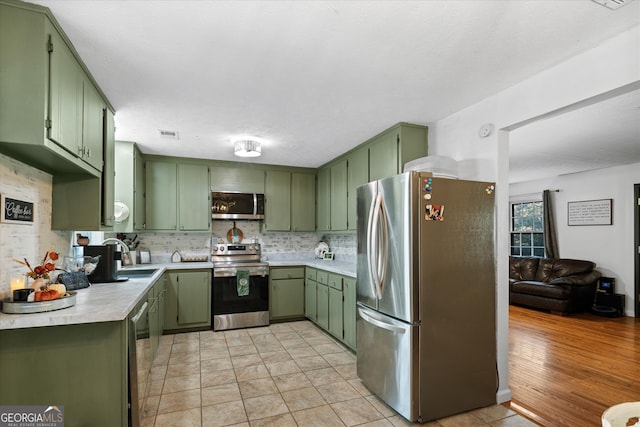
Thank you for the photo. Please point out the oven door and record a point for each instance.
(230, 311)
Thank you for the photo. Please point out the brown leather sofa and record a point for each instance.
(559, 285)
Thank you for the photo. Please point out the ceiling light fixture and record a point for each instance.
(247, 148)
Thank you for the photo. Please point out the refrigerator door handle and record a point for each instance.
(383, 248)
(380, 323)
(371, 247)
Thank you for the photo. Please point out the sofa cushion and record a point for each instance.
(523, 268)
(550, 269)
(541, 289)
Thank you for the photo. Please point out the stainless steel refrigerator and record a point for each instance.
(426, 335)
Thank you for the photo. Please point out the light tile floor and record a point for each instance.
(286, 374)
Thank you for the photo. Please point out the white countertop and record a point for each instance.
(339, 267)
(100, 302)
(109, 302)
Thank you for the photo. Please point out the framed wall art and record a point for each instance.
(590, 212)
(15, 211)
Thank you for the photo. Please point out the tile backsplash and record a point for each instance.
(162, 244)
(30, 240)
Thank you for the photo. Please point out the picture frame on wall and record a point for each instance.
(15, 211)
(590, 212)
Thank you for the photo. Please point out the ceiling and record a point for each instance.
(314, 79)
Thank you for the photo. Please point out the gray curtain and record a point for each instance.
(550, 233)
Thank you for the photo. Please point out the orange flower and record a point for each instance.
(42, 270)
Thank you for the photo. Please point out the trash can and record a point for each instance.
(622, 415)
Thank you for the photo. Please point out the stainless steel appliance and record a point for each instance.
(227, 205)
(426, 294)
(107, 268)
(139, 363)
(231, 308)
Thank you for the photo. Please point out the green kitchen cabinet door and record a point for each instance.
(310, 299)
(65, 96)
(339, 196)
(335, 313)
(188, 299)
(303, 202)
(383, 156)
(323, 200)
(194, 197)
(286, 298)
(349, 311)
(139, 185)
(109, 169)
(357, 175)
(92, 126)
(277, 215)
(161, 196)
(323, 306)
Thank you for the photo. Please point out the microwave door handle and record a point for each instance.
(255, 204)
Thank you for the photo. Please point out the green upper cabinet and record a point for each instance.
(92, 126)
(303, 201)
(357, 174)
(277, 216)
(109, 169)
(237, 178)
(390, 150)
(139, 185)
(66, 88)
(125, 182)
(161, 195)
(339, 195)
(177, 196)
(323, 199)
(194, 198)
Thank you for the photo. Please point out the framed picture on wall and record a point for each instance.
(15, 211)
(590, 212)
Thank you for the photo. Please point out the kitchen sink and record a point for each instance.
(137, 273)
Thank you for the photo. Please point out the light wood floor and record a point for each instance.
(566, 370)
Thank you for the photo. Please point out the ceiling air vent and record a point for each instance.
(171, 134)
(612, 4)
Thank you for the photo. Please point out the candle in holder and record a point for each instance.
(16, 283)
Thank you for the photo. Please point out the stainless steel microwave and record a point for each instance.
(226, 205)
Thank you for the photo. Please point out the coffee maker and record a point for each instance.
(107, 268)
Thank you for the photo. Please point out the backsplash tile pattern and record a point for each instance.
(31, 241)
(161, 244)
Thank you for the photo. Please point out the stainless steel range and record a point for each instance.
(240, 288)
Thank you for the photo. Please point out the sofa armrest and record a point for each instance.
(583, 279)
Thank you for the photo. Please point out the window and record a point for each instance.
(527, 237)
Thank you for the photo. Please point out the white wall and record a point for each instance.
(572, 81)
(611, 247)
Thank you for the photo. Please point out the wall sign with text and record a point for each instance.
(590, 212)
(15, 211)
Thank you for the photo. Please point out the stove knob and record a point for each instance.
(221, 248)
(252, 248)
(215, 248)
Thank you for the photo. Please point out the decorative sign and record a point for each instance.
(16, 211)
(590, 212)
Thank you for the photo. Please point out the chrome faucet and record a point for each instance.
(124, 246)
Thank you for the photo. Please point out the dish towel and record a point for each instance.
(242, 277)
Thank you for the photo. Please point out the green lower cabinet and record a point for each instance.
(311, 299)
(330, 302)
(286, 293)
(335, 313)
(323, 306)
(188, 299)
(80, 367)
(349, 311)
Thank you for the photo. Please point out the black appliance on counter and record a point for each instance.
(230, 310)
(107, 268)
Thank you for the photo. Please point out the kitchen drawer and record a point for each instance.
(335, 281)
(277, 273)
(323, 277)
(311, 273)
